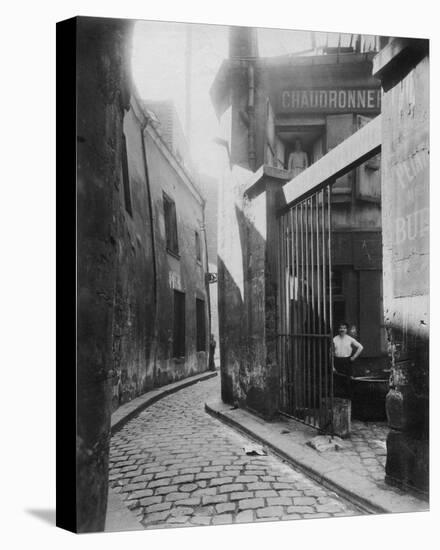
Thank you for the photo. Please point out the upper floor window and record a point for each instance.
(169, 208)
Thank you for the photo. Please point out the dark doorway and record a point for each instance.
(179, 324)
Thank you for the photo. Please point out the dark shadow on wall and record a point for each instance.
(407, 407)
(248, 317)
(254, 373)
(231, 313)
(103, 91)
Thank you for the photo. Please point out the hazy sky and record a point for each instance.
(159, 73)
(159, 66)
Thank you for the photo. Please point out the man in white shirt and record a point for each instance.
(345, 350)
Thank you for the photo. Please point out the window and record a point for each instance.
(198, 248)
(126, 177)
(169, 208)
(201, 326)
(179, 324)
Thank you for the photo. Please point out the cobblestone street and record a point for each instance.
(367, 449)
(174, 465)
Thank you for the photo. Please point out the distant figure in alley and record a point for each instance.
(212, 345)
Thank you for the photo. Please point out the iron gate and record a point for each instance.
(305, 311)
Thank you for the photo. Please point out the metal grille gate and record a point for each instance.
(305, 307)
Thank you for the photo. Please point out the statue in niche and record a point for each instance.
(298, 160)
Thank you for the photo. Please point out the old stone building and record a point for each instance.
(161, 320)
(403, 67)
(322, 215)
(314, 229)
(268, 106)
(142, 297)
(95, 47)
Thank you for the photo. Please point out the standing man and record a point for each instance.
(212, 344)
(346, 350)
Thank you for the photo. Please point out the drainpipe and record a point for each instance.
(153, 350)
(251, 115)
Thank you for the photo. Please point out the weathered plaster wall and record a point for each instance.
(405, 195)
(133, 328)
(102, 95)
(185, 273)
(406, 200)
(247, 296)
(247, 305)
(147, 273)
(232, 314)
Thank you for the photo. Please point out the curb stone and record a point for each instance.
(359, 491)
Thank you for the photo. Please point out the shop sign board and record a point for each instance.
(331, 100)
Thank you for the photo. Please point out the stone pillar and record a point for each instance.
(403, 67)
(102, 95)
(246, 292)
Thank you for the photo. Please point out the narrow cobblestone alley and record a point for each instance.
(174, 465)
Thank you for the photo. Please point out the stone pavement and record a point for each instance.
(366, 448)
(174, 465)
(356, 470)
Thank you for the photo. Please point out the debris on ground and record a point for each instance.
(254, 450)
(324, 443)
(285, 432)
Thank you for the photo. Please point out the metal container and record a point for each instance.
(368, 395)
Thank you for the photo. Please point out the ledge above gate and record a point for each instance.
(262, 176)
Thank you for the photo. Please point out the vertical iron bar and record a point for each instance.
(286, 307)
(312, 309)
(301, 326)
(292, 316)
(318, 311)
(316, 343)
(305, 313)
(308, 307)
(280, 309)
(297, 362)
(283, 330)
(315, 314)
(330, 300)
(279, 319)
(288, 313)
(315, 324)
(324, 303)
